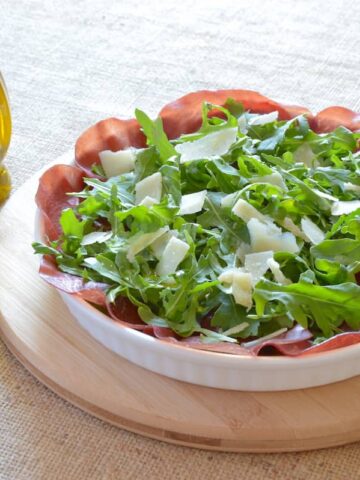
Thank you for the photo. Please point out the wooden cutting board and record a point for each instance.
(41, 333)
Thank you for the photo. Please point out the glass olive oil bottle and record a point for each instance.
(5, 133)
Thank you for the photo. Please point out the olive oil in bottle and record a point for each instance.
(5, 133)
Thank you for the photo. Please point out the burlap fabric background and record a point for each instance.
(69, 64)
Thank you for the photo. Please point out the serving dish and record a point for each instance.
(201, 367)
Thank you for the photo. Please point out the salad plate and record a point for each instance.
(217, 245)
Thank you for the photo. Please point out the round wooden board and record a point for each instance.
(41, 333)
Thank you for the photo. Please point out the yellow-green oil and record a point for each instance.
(5, 134)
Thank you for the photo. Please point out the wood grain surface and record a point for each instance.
(39, 330)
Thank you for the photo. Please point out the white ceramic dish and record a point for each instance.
(217, 370)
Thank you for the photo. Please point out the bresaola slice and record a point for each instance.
(110, 134)
(292, 343)
(93, 292)
(125, 313)
(184, 115)
(51, 196)
(341, 340)
(179, 117)
(332, 117)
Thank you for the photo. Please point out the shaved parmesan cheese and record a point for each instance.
(264, 119)
(228, 200)
(158, 246)
(211, 145)
(117, 163)
(260, 340)
(325, 195)
(227, 276)
(242, 122)
(350, 187)
(288, 224)
(237, 329)
(269, 237)
(305, 155)
(274, 179)
(149, 187)
(257, 264)
(173, 254)
(275, 270)
(96, 237)
(242, 288)
(242, 250)
(344, 208)
(148, 201)
(314, 234)
(192, 203)
(142, 240)
(246, 211)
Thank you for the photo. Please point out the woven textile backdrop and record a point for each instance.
(69, 64)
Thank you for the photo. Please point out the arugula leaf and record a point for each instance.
(331, 273)
(235, 108)
(147, 219)
(229, 315)
(329, 306)
(271, 143)
(211, 122)
(171, 179)
(92, 207)
(216, 216)
(155, 135)
(44, 249)
(343, 251)
(124, 185)
(148, 161)
(330, 176)
(104, 266)
(312, 197)
(70, 224)
(224, 177)
(251, 166)
(194, 176)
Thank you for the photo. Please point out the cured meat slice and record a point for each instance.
(93, 292)
(293, 342)
(333, 117)
(110, 134)
(184, 115)
(341, 340)
(52, 198)
(125, 313)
